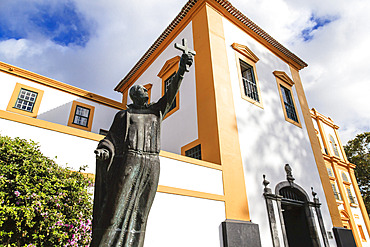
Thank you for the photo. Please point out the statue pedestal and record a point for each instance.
(237, 233)
(344, 237)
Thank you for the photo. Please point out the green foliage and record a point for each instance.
(358, 153)
(41, 204)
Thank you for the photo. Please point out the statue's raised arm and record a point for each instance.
(185, 62)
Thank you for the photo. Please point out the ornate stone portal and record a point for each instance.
(127, 167)
(296, 218)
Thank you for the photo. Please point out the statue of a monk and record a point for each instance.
(127, 169)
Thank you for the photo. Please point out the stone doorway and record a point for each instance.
(294, 211)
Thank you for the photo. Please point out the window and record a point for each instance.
(289, 105)
(249, 82)
(103, 132)
(285, 85)
(81, 116)
(246, 65)
(336, 193)
(344, 177)
(25, 100)
(194, 152)
(168, 70)
(334, 145)
(167, 83)
(330, 172)
(350, 196)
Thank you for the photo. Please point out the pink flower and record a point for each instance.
(16, 193)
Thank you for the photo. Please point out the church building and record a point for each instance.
(244, 160)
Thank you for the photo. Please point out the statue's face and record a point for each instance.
(141, 96)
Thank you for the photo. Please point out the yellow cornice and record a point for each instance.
(190, 160)
(284, 77)
(244, 50)
(22, 73)
(49, 126)
(334, 159)
(168, 65)
(327, 120)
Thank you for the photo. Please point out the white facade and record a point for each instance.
(267, 140)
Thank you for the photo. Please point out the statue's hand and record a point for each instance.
(186, 61)
(102, 153)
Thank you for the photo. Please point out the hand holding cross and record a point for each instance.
(186, 50)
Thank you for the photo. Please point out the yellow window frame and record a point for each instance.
(72, 115)
(243, 53)
(282, 79)
(14, 97)
(171, 66)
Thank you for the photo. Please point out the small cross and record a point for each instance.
(185, 49)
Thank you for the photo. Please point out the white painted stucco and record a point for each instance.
(184, 175)
(56, 105)
(181, 127)
(183, 221)
(267, 140)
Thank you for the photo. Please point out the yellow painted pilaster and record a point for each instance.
(325, 181)
(217, 124)
(347, 206)
(359, 199)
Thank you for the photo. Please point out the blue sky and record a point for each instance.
(93, 44)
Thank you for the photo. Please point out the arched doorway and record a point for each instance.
(298, 218)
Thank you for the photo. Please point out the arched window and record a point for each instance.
(334, 145)
(344, 177)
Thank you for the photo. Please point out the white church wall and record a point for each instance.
(56, 105)
(181, 127)
(173, 217)
(70, 151)
(184, 221)
(267, 140)
(184, 175)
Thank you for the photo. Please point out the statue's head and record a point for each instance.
(139, 95)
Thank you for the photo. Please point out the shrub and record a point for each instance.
(41, 203)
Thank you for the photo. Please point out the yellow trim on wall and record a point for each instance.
(50, 126)
(25, 74)
(169, 68)
(319, 159)
(250, 59)
(217, 126)
(283, 79)
(149, 88)
(72, 115)
(14, 98)
(190, 160)
(346, 205)
(359, 199)
(189, 146)
(191, 193)
(245, 51)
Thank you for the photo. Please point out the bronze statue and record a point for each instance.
(127, 167)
